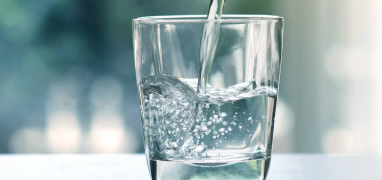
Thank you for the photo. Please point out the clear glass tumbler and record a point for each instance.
(224, 131)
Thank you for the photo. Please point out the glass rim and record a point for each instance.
(226, 18)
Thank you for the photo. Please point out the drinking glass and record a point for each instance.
(224, 131)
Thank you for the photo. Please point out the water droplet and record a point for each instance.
(223, 114)
(229, 128)
(250, 118)
(216, 116)
(213, 137)
(225, 123)
(233, 123)
(209, 123)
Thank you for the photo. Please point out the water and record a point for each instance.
(223, 130)
(209, 41)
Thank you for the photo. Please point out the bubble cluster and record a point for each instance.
(180, 124)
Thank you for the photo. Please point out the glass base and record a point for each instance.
(244, 170)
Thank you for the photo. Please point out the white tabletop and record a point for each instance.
(133, 167)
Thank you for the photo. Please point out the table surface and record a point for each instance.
(133, 167)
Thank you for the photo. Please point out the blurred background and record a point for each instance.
(67, 78)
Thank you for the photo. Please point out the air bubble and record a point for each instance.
(221, 130)
(175, 145)
(199, 149)
(173, 126)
